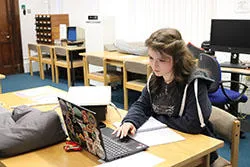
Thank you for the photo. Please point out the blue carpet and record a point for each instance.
(244, 160)
(25, 81)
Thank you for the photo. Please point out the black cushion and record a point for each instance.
(27, 129)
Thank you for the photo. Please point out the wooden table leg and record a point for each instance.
(206, 161)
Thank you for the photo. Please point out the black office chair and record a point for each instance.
(219, 95)
(196, 51)
(206, 46)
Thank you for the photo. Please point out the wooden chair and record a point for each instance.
(47, 58)
(104, 75)
(137, 84)
(1, 77)
(62, 59)
(33, 53)
(227, 127)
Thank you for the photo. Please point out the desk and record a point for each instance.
(189, 152)
(1, 77)
(114, 58)
(236, 70)
(73, 52)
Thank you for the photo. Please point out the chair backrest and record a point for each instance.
(45, 48)
(211, 65)
(61, 54)
(138, 80)
(136, 67)
(195, 50)
(227, 127)
(95, 60)
(60, 51)
(32, 49)
(45, 51)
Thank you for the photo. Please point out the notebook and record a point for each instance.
(81, 124)
(154, 132)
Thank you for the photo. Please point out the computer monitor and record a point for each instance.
(230, 36)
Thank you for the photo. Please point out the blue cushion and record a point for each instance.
(219, 98)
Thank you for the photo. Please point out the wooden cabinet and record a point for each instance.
(47, 27)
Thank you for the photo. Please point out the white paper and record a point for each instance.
(89, 95)
(159, 136)
(36, 92)
(47, 99)
(29, 93)
(150, 124)
(41, 96)
(63, 31)
(153, 132)
(143, 158)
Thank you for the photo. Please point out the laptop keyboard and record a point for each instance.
(114, 148)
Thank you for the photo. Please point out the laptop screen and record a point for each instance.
(82, 127)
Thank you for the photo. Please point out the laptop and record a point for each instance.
(82, 127)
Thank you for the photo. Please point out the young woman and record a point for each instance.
(176, 92)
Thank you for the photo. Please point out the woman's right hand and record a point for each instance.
(124, 129)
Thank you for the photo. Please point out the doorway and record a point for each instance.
(11, 59)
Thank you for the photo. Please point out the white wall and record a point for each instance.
(77, 10)
(132, 19)
(135, 20)
(27, 25)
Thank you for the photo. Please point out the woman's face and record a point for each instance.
(162, 65)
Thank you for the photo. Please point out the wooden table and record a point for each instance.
(189, 152)
(72, 50)
(114, 58)
(236, 70)
(235, 75)
(1, 77)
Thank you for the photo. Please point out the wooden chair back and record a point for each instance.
(47, 58)
(227, 127)
(137, 84)
(62, 59)
(101, 71)
(33, 54)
